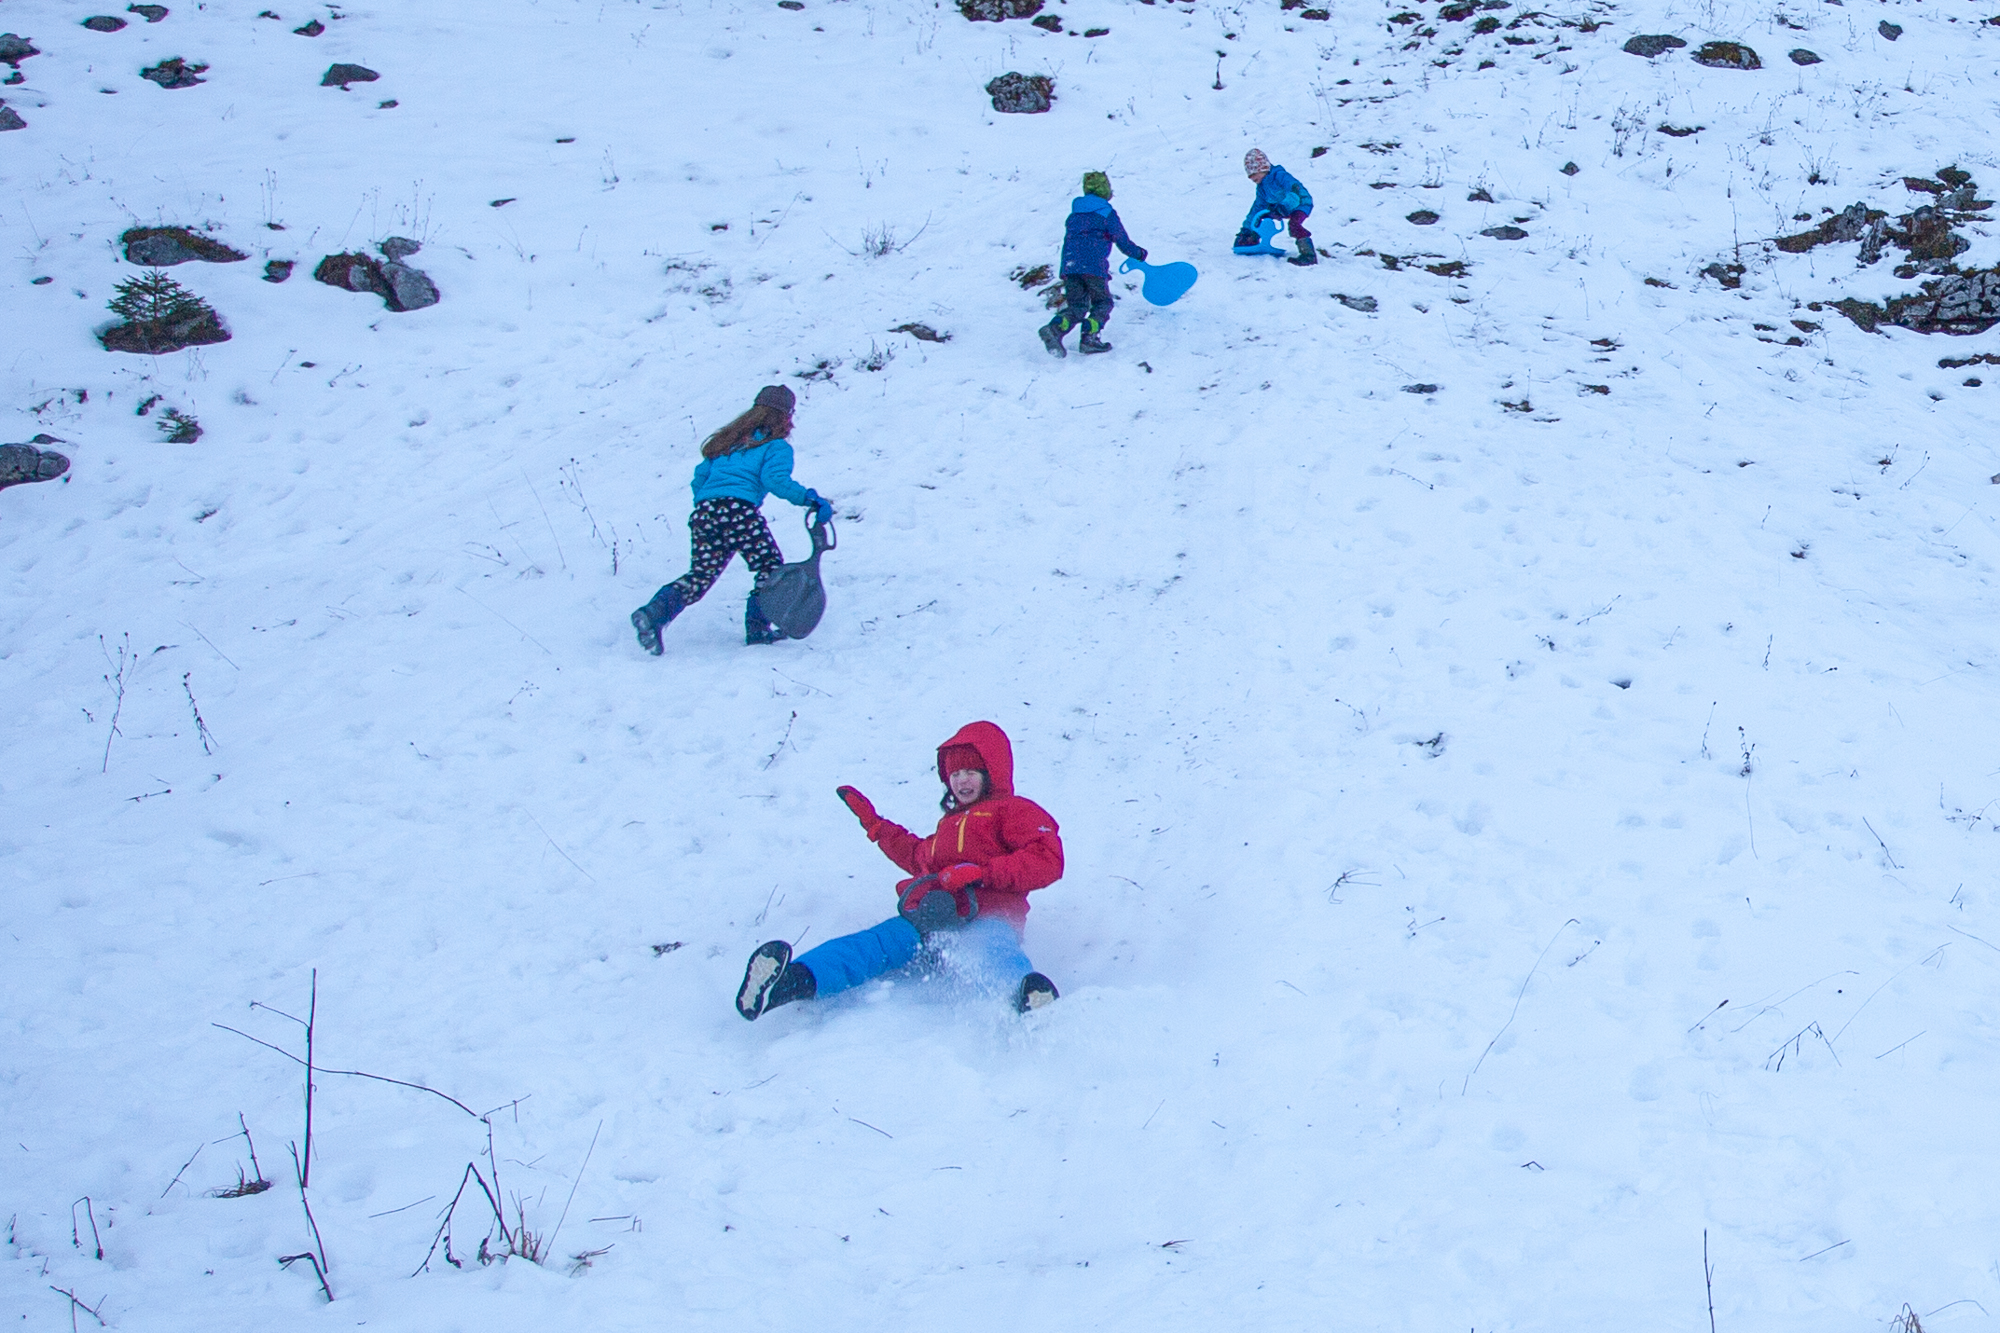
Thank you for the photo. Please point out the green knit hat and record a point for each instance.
(1097, 183)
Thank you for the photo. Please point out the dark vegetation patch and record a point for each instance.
(157, 315)
(174, 72)
(1727, 55)
(1022, 94)
(999, 11)
(1650, 45)
(163, 247)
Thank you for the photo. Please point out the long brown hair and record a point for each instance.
(760, 423)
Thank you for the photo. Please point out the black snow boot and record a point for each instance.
(1036, 991)
(656, 615)
(757, 629)
(1307, 255)
(1052, 336)
(771, 978)
(1091, 344)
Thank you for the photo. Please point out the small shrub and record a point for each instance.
(180, 428)
(155, 298)
(160, 316)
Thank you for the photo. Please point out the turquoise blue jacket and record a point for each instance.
(749, 475)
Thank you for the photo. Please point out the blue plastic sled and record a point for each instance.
(1266, 227)
(1164, 283)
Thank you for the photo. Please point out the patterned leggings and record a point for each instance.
(717, 530)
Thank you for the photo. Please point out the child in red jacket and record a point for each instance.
(965, 904)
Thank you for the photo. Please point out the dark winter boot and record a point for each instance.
(939, 909)
(770, 979)
(1307, 255)
(1091, 344)
(656, 615)
(1052, 335)
(1036, 991)
(757, 629)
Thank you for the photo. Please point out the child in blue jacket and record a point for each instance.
(1281, 198)
(1093, 228)
(746, 460)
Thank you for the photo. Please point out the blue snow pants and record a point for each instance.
(987, 954)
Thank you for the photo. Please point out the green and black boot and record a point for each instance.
(1052, 335)
(1307, 256)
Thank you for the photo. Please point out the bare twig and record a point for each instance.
(318, 1257)
(312, 1015)
(287, 1260)
(352, 1073)
(1517, 1003)
(1883, 845)
(444, 1224)
(1711, 1014)
(772, 758)
(558, 846)
(545, 519)
(1708, 1279)
(183, 1171)
(201, 726)
(254, 1164)
(574, 1183)
(74, 1237)
(117, 680)
(75, 1305)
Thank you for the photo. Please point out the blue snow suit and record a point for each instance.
(1088, 236)
(984, 957)
(749, 475)
(1280, 194)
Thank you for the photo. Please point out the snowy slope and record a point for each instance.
(1429, 770)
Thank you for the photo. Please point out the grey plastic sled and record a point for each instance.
(791, 596)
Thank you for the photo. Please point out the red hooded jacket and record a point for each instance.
(1011, 838)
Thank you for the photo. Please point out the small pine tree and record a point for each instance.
(155, 298)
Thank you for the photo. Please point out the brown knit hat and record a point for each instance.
(778, 396)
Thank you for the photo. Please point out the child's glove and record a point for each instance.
(1141, 256)
(964, 875)
(864, 810)
(821, 506)
(910, 895)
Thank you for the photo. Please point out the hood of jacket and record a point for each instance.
(1086, 203)
(993, 747)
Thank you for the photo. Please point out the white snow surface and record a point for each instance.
(1431, 772)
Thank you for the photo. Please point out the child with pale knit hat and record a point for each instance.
(1281, 198)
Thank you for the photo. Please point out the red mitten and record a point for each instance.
(964, 875)
(910, 892)
(863, 808)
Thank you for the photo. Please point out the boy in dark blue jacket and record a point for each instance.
(1281, 198)
(1093, 228)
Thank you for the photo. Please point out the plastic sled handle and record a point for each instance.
(824, 538)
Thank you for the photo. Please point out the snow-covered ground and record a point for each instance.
(1509, 846)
